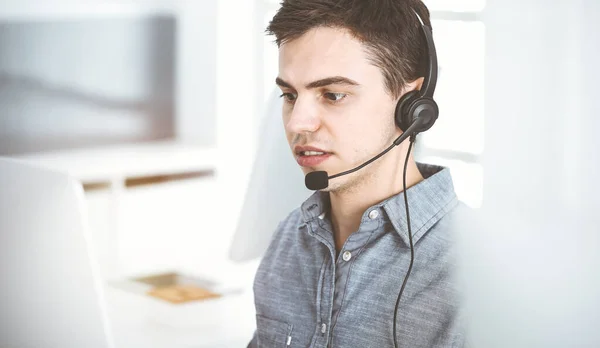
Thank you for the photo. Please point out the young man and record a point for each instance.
(332, 273)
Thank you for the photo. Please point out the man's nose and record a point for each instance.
(303, 118)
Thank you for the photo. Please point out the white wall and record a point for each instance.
(531, 269)
(197, 71)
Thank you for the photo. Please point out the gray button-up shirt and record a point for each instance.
(306, 295)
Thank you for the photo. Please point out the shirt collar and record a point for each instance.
(316, 206)
(428, 201)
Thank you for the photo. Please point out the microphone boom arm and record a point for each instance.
(396, 142)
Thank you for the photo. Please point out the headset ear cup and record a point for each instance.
(425, 110)
(403, 118)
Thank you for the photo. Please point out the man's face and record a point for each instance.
(337, 112)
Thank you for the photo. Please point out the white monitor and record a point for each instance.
(51, 293)
(275, 189)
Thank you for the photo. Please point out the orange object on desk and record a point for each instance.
(182, 293)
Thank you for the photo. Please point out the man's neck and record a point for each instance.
(348, 206)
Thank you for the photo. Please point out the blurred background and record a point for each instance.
(159, 108)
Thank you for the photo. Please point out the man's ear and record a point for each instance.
(416, 84)
(411, 86)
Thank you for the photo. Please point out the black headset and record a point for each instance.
(419, 104)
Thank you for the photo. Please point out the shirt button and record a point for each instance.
(323, 328)
(347, 256)
(373, 214)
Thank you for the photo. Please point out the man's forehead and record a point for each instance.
(323, 43)
(322, 52)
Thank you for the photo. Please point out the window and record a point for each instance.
(457, 139)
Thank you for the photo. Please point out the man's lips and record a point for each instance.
(298, 150)
(312, 160)
(310, 156)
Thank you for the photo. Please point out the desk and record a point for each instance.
(141, 321)
(145, 322)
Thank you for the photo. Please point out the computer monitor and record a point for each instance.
(51, 293)
(275, 189)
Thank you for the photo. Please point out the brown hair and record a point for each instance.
(388, 29)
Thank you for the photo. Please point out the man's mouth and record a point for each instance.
(307, 156)
(307, 150)
(312, 153)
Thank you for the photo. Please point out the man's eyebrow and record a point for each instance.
(334, 80)
(279, 81)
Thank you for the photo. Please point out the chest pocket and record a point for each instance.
(273, 333)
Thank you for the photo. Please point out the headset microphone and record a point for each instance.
(319, 180)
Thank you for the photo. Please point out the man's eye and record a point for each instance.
(290, 97)
(334, 97)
